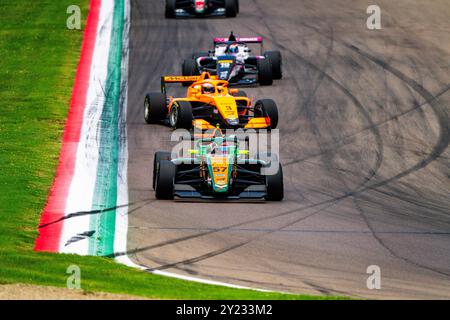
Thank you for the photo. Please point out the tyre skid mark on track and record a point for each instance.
(352, 194)
(429, 100)
(187, 229)
(351, 137)
(309, 283)
(332, 201)
(277, 215)
(235, 246)
(439, 148)
(444, 137)
(100, 211)
(415, 202)
(323, 75)
(311, 96)
(326, 156)
(310, 115)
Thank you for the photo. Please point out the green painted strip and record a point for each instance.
(105, 194)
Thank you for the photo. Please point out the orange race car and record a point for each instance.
(209, 103)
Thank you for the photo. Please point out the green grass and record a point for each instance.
(39, 56)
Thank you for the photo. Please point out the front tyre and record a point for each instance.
(180, 116)
(274, 186)
(165, 180)
(267, 108)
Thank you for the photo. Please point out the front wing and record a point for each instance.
(256, 192)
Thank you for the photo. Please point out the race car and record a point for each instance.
(231, 60)
(201, 8)
(217, 168)
(208, 103)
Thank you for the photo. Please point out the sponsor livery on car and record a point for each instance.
(232, 60)
(208, 103)
(217, 168)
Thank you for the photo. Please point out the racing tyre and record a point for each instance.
(155, 108)
(237, 6)
(159, 156)
(190, 69)
(231, 8)
(274, 186)
(197, 55)
(165, 180)
(170, 9)
(180, 116)
(277, 63)
(267, 108)
(265, 77)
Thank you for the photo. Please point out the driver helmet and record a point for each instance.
(208, 88)
(233, 48)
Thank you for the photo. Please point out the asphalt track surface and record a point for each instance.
(364, 120)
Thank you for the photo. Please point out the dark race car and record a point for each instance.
(232, 60)
(201, 8)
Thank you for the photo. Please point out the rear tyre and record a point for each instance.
(265, 77)
(274, 186)
(170, 9)
(277, 63)
(267, 108)
(159, 156)
(231, 8)
(237, 6)
(155, 108)
(180, 116)
(165, 180)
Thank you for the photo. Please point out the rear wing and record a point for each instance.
(245, 40)
(248, 40)
(182, 79)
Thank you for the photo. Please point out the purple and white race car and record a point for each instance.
(232, 60)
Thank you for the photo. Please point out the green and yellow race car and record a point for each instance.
(217, 168)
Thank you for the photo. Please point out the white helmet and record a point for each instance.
(208, 88)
